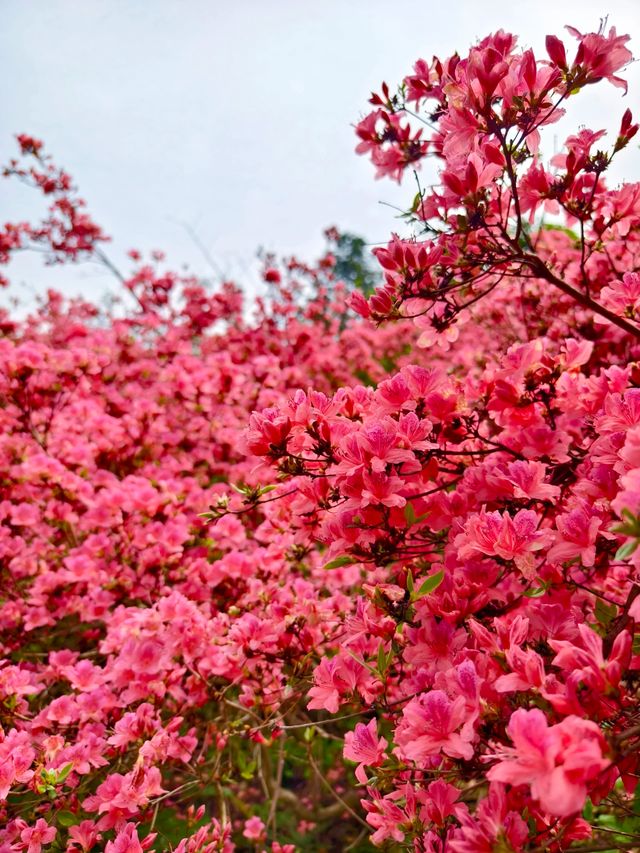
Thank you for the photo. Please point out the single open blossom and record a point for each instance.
(527, 480)
(558, 762)
(385, 817)
(381, 489)
(584, 658)
(16, 758)
(124, 795)
(84, 835)
(254, 829)
(126, 841)
(330, 684)
(494, 824)
(442, 801)
(36, 837)
(430, 725)
(493, 533)
(600, 56)
(623, 297)
(576, 537)
(364, 746)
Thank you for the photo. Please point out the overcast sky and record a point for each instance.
(235, 117)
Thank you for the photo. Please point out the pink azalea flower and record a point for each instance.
(497, 534)
(600, 56)
(429, 726)
(364, 746)
(85, 834)
(329, 685)
(38, 835)
(254, 829)
(584, 658)
(557, 761)
(576, 537)
(442, 801)
(494, 824)
(385, 817)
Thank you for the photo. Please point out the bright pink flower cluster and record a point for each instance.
(486, 112)
(245, 558)
(488, 499)
(145, 655)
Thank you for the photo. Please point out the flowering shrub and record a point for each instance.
(488, 498)
(259, 574)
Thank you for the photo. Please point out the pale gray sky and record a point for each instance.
(235, 116)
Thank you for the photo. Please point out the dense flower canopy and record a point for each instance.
(262, 570)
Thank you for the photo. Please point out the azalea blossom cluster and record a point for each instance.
(303, 581)
(141, 650)
(489, 499)
(481, 117)
(67, 232)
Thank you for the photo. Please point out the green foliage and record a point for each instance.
(339, 562)
(620, 824)
(353, 263)
(630, 526)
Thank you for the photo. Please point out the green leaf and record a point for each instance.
(630, 525)
(626, 550)
(409, 514)
(384, 660)
(65, 818)
(63, 772)
(535, 592)
(605, 613)
(428, 585)
(410, 580)
(339, 562)
(249, 771)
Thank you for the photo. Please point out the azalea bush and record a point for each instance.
(284, 578)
